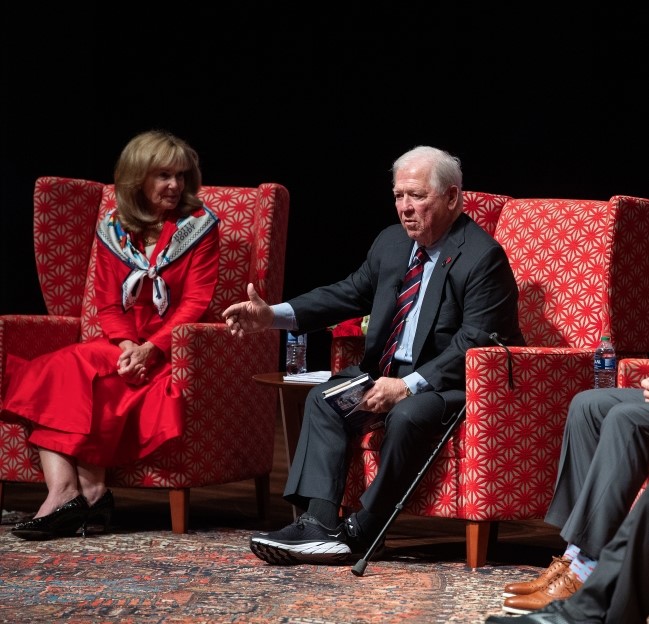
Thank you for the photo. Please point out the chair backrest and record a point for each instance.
(484, 208)
(573, 267)
(65, 218)
(626, 303)
(252, 235)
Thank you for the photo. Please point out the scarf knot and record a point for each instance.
(189, 230)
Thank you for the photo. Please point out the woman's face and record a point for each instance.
(163, 188)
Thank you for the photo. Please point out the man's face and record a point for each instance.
(424, 213)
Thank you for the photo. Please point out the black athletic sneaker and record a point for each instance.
(304, 541)
(359, 543)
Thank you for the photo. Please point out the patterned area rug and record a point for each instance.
(147, 577)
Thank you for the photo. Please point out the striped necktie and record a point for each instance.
(405, 300)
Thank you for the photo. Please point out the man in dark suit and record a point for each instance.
(467, 292)
(616, 591)
(604, 462)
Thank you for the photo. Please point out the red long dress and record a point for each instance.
(77, 403)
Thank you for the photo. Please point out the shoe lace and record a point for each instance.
(568, 579)
(572, 582)
(558, 561)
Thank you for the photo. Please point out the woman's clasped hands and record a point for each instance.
(135, 361)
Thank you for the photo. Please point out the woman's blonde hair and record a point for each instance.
(146, 152)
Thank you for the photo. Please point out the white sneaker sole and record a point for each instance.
(280, 553)
(515, 611)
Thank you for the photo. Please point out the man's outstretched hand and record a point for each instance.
(249, 316)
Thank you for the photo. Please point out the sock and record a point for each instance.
(324, 511)
(582, 566)
(571, 552)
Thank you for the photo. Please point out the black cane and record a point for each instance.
(453, 422)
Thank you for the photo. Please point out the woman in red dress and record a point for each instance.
(110, 401)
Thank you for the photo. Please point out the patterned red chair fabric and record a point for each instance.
(631, 371)
(230, 420)
(579, 265)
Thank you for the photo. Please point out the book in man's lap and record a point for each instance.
(347, 399)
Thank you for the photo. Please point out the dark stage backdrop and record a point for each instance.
(321, 98)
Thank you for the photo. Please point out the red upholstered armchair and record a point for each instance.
(229, 419)
(580, 266)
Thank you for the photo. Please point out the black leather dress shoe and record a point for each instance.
(62, 522)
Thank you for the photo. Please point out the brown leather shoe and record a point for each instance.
(562, 587)
(557, 567)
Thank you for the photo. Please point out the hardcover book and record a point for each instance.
(347, 399)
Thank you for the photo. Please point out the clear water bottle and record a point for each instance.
(295, 353)
(605, 364)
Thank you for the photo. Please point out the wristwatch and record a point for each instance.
(408, 390)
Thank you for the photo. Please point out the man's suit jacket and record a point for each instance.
(471, 293)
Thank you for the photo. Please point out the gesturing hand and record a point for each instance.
(248, 316)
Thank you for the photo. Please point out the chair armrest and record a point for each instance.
(28, 336)
(208, 349)
(513, 435)
(631, 371)
(229, 418)
(545, 380)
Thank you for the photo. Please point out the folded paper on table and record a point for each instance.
(314, 377)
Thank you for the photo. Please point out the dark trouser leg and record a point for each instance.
(586, 416)
(411, 428)
(616, 590)
(630, 600)
(617, 471)
(319, 468)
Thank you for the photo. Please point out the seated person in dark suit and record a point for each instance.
(434, 285)
(604, 461)
(616, 591)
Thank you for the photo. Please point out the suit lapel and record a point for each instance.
(386, 299)
(433, 295)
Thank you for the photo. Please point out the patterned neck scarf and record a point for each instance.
(189, 230)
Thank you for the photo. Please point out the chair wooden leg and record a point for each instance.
(262, 487)
(477, 540)
(179, 506)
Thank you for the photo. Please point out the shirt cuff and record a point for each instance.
(283, 317)
(416, 383)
